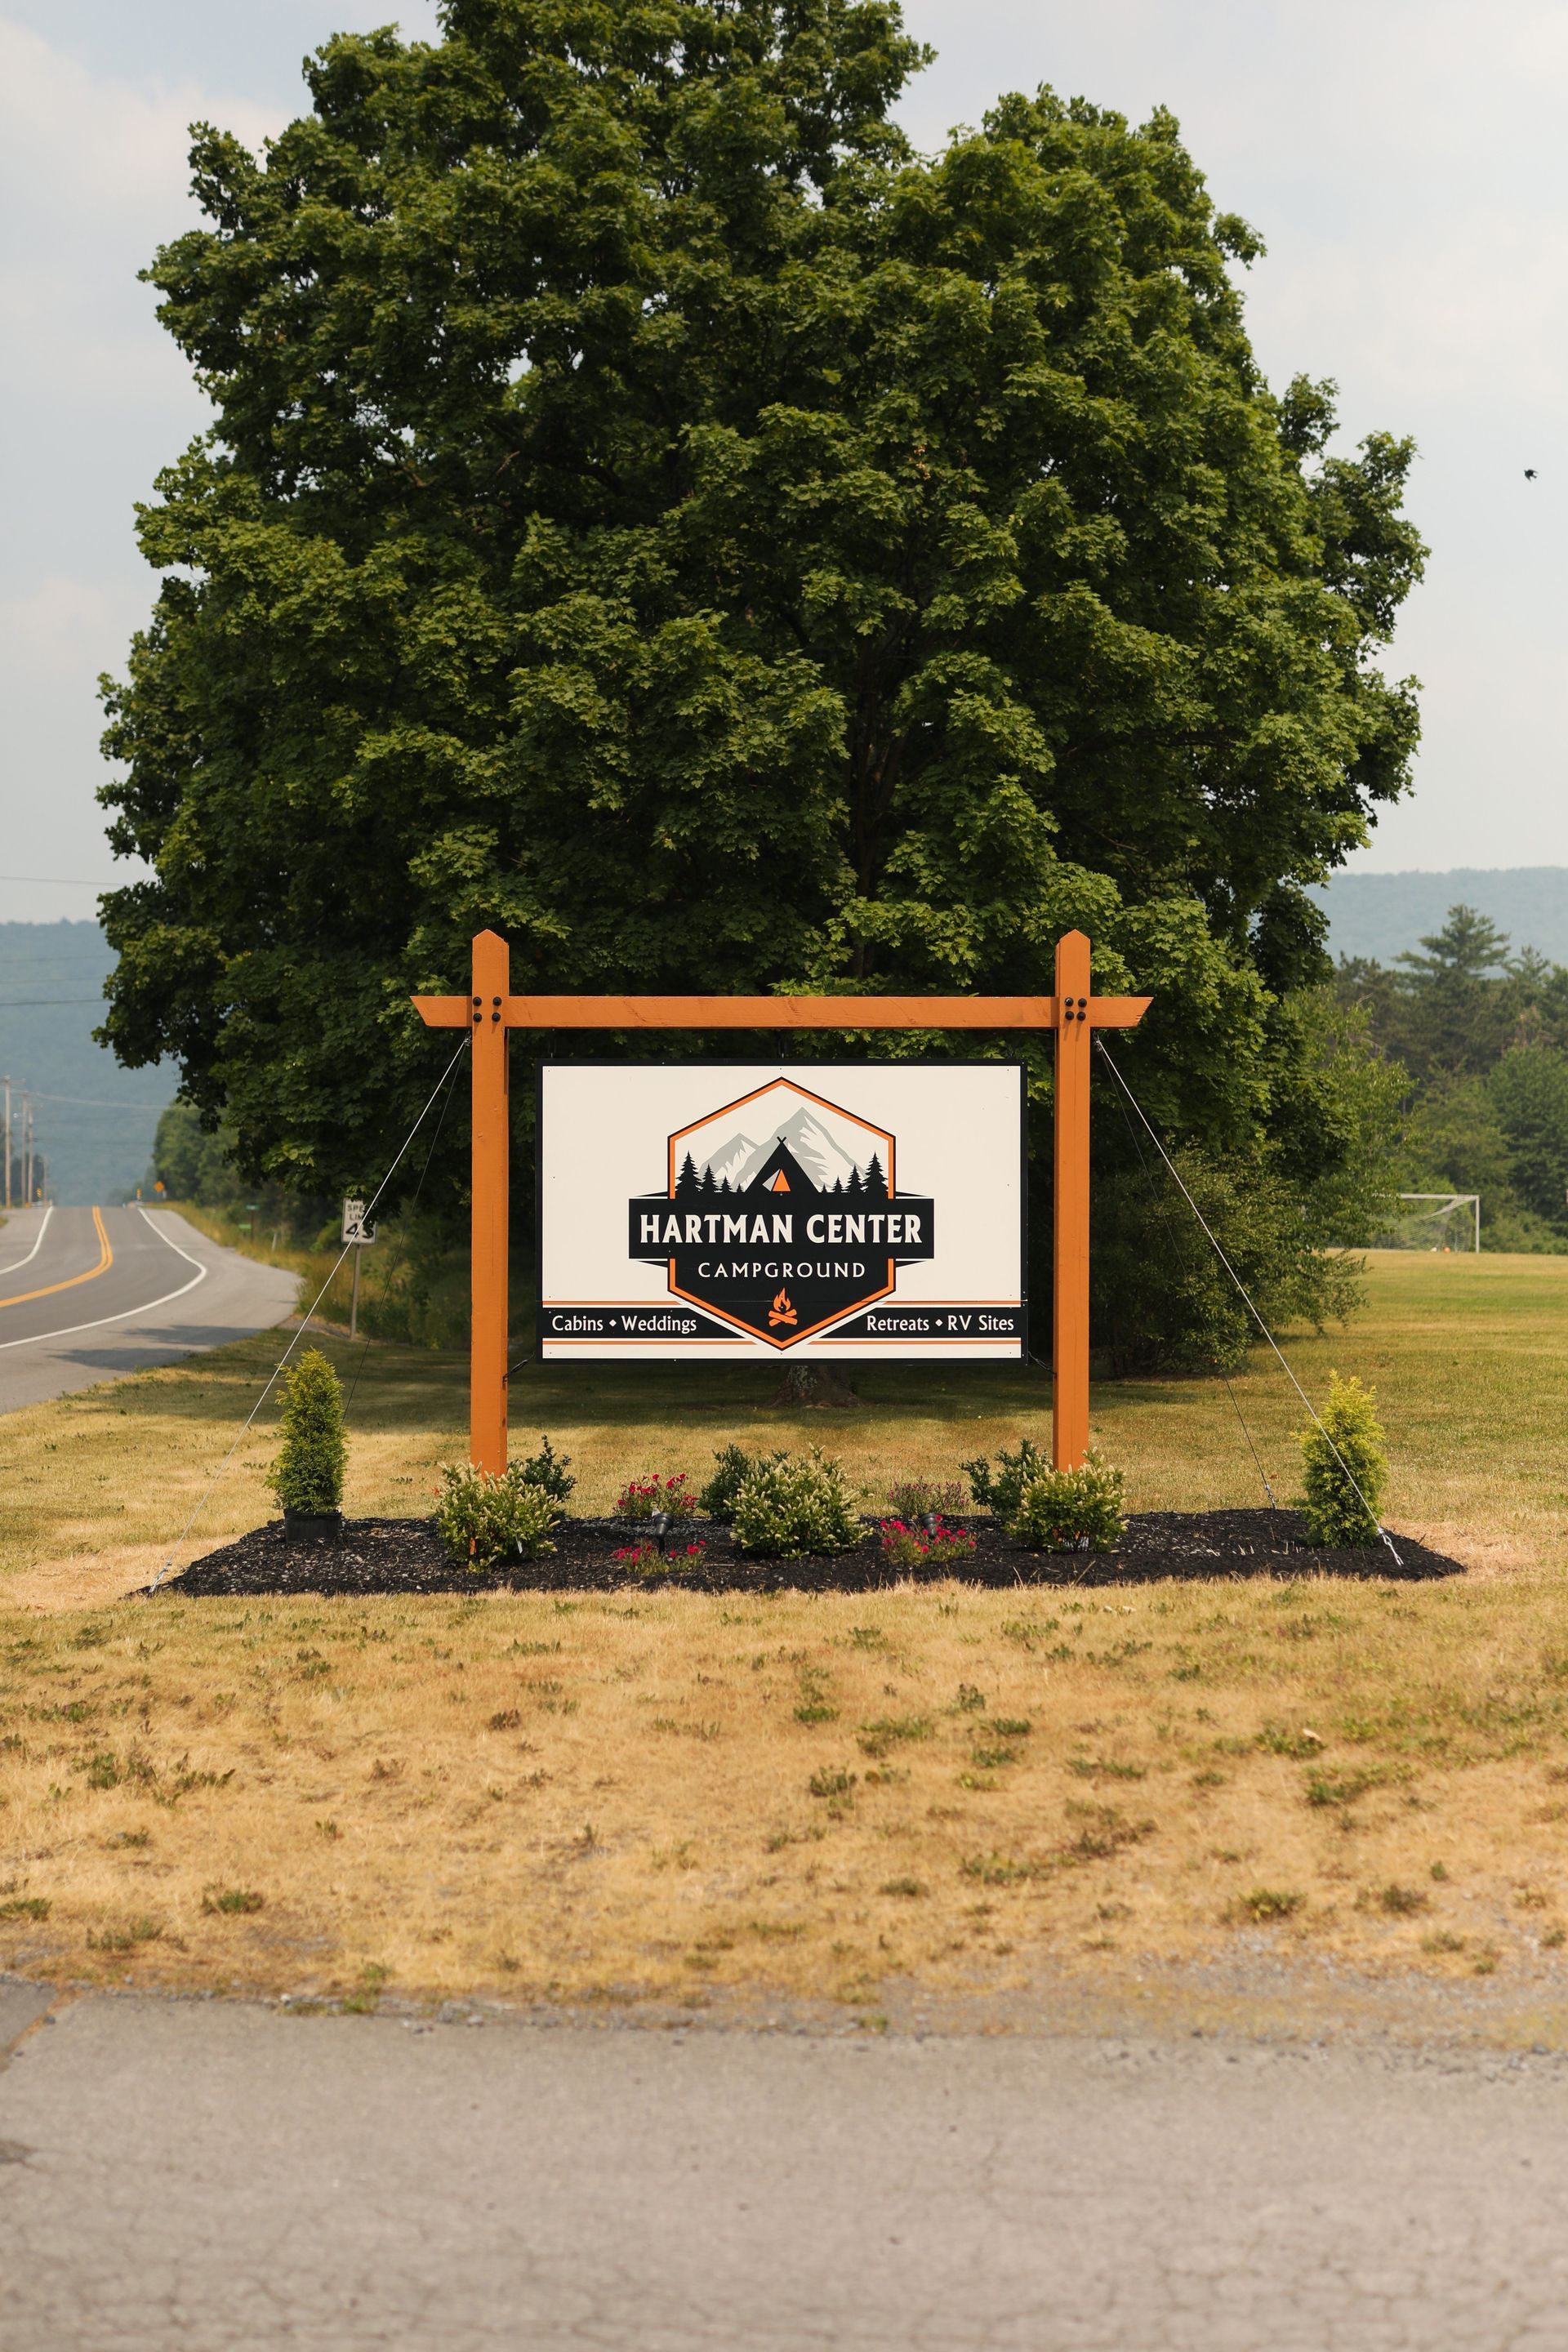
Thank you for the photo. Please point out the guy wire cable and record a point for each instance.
(304, 1327)
(403, 1252)
(1251, 1310)
(1236, 1401)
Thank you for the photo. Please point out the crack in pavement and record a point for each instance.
(225, 2177)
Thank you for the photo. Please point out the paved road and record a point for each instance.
(87, 1294)
(227, 2178)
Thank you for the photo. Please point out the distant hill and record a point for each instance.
(1381, 914)
(95, 1121)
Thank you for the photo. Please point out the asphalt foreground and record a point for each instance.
(212, 2174)
(89, 1294)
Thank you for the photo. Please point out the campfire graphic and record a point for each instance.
(780, 1311)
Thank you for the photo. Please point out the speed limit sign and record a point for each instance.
(355, 1228)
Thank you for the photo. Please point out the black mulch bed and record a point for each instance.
(405, 1556)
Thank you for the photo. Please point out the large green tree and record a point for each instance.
(651, 511)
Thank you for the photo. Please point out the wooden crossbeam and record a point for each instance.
(490, 1010)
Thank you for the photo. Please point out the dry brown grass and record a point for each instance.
(642, 1793)
(647, 1823)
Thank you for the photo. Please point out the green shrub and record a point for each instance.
(998, 1490)
(1066, 1510)
(733, 1467)
(307, 1474)
(1159, 1300)
(482, 1516)
(787, 1507)
(1345, 1453)
(548, 1471)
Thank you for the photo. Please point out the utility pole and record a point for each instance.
(6, 1084)
(26, 1148)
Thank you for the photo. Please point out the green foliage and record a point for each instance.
(1461, 1020)
(1346, 1453)
(307, 1474)
(417, 1281)
(998, 1490)
(732, 1466)
(1528, 1090)
(548, 1471)
(638, 482)
(1060, 1511)
(1161, 1299)
(1480, 1037)
(196, 1163)
(483, 1517)
(790, 1505)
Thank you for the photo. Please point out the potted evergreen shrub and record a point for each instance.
(308, 1475)
(1344, 1468)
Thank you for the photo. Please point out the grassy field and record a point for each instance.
(651, 1793)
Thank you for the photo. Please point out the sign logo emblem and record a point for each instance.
(782, 1214)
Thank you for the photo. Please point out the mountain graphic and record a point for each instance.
(811, 1142)
(732, 1159)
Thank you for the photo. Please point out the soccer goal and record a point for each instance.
(1435, 1221)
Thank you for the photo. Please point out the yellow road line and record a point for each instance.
(106, 1259)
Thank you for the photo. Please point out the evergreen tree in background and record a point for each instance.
(640, 485)
(1477, 1039)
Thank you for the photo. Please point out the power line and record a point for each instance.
(97, 1102)
(26, 1003)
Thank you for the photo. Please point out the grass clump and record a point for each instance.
(1070, 1510)
(483, 1515)
(1263, 1904)
(307, 1474)
(877, 1738)
(1341, 1455)
(794, 1506)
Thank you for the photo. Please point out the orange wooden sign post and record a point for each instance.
(490, 1010)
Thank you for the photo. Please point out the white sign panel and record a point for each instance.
(355, 1226)
(866, 1209)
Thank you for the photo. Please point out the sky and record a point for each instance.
(1402, 160)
